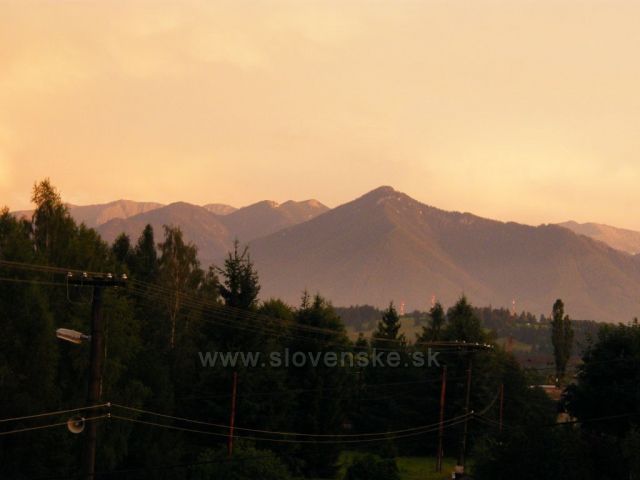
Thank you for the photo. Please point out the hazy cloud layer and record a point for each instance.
(515, 110)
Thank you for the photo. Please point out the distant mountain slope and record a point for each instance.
(199, 226)
(214, 234)
(94, 215)
(266, 217)
(385, 245)
(220, 208)
(618, 238)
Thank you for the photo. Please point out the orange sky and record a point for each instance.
(516, 110)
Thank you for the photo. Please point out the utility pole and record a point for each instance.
(232, 420)
(463, 442)
(443, 390)
(501, 404)
(99, 283)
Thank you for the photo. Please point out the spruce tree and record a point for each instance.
(561, 338)
(432, 331)
(240, 285)
(387, 334)
(145, 257)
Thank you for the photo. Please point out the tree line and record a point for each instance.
(174, 307)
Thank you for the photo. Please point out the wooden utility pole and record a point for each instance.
(443, 390)
(232, 420)
(501, 404)
(463, 442)
(99, 283)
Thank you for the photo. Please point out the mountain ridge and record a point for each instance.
(385, 245)
(212, 233)
(619, 238)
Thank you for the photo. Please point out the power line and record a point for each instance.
(272, 432)
(231, 314)
(305, 390)
(453, 422)
(52, 425)
(229, 319)
(35, 282)
(559, 424)
(58, 412)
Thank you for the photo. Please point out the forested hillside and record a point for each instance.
(166, 413)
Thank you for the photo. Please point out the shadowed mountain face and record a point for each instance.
(385, 246)
(199, 226)
(214, 234)
(264, 218)
(618, 238)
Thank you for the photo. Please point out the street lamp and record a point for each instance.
(72, 336)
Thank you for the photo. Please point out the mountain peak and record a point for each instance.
(383, 190)
(220, 208)
(270, 204)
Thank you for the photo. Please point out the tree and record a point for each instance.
(607, 382)
(388, 329)
(463, 324)
(535, 453)
(145, 257)
(437, 318)
(52, 226)
(561, 338)
(247, 463)
(240, 285)
(318, 407)
(121, 249)
(179, 273)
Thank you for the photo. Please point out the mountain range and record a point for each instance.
(95, 215)
(214, 233)
(618, 238)
(387, 246)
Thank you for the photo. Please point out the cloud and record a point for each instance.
(478, 107)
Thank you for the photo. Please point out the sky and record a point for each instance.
(515, 110)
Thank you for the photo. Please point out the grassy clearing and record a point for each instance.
(411, 468)
(423, 468)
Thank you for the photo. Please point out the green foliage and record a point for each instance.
(387, 333)
(360, 317)
(561, 338)
(533, 454)
(463, 324)
(608, 382)
(240, 285)
(324, 397)
(372, 467)
(437, 318)
(246, 463)
(630, 449)
(179, 272)
(121, 249)
(144, 260)
(173, 310)
(52, 225)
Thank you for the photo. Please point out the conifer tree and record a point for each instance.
(388, 329)
(561, 338)
(240, 285)
(432, 331)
